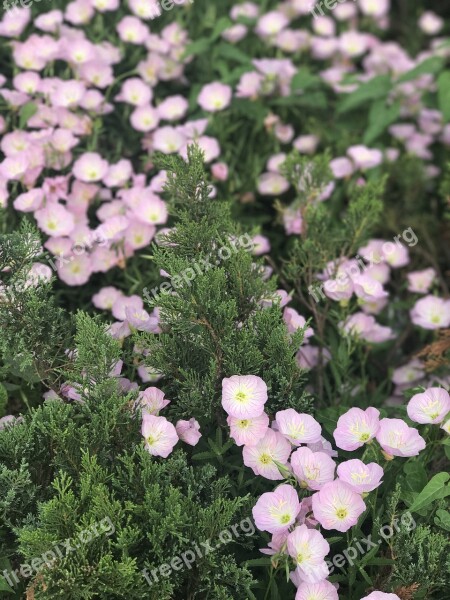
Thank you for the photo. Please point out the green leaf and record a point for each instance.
(222, 24)
(416, 476)
(232, 53)
(444, 95)
(3, 400)
(258, 562)
(434, 490)
(380, 117)
(379, 561)
(26, 112)
(304, 79)
(4, 587)
(198, 47)
(376, 88)
(442, 519)
(430, 65)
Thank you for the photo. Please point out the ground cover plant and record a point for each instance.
(224, 301)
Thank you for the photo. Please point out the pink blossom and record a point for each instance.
(244, 396)
(368, 289)
(271, 23)
(430, 23)
(397, 439)
(420, 282)
(365, 158)
(248, 432)
(381, 596)
(105, 297)
(144, 118)
(337, 506)
(308, 548)
(276, 511)
(55, 220)
(76, 270)
(431, 312)
(214, 96)
(294, 321)
(312, 469)
(321, 590)
(431, 406)
(360, 477)
(189, 431)
(160, 435)
(356, 427)
(123, 302)
(298, 428)
(341, 167)
(173, 108)
(152, 400)
(272, 184)
(90, 167)
(263, 457)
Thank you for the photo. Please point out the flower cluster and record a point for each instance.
(292, 447)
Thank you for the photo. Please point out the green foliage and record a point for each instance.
(35, 331)
(213, 326)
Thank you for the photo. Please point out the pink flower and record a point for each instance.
(312, 469)
(341, 167)
(365, 158)
(160, 435)
(381, 596)
(150, 209)
(295, 321)
(431, 313)
(75, 270)
(262, 457)
(248, 432)
(105, 297)
(337, 506)
(123, 302)
(144, 118)
(214, 96)
(308, 548)
(141, 320)
(430, 23)
(244, 396)
(272, 184)
(322, 590)
(55, 220)
(356, 427)
(276, 511)
(151, 401)
(360, 477)
(397, 439)
(432, 406)
(298, 428)
(364, 327)
(420, 282)
(219, 171)
(189, 431)
(368, 289)
(90, 167)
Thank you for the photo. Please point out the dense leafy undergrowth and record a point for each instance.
(224, 313)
